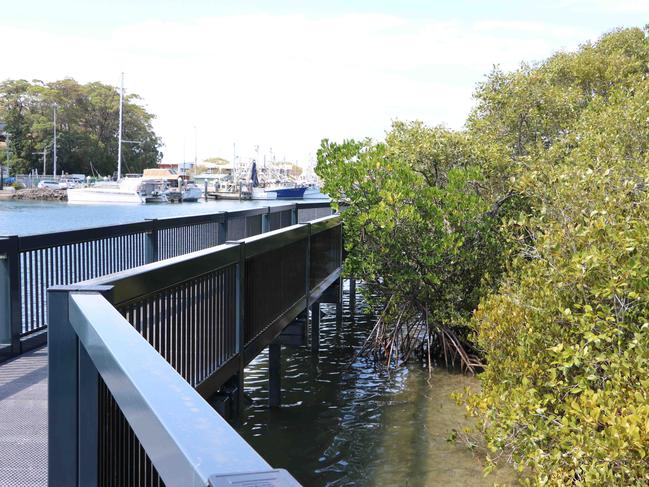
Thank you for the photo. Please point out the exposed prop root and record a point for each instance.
(399, 335)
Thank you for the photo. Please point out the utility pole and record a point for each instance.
(195, 146)
(55, 155)
(2, 179)
(119, 137)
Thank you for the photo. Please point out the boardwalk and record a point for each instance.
(23, 420)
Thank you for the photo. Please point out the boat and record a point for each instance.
(191, 192)
(287, 192)
(262, 194)
(313, 193)
(131, 189)
(176, 188)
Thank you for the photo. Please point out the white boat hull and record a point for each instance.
(192, 194)
(313, 193)
(261, 194)
(103, 195)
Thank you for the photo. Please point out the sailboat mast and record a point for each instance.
(119, 141)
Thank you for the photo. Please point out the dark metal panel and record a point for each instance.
(274, 282)
(321, 288)
(173, 222)
(132, 283)
(325, 256)
(272, 331)
(276, 239)
(254, 225)
(321, 224)
(236, 227)
(46, 240)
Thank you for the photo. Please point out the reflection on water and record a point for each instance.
(343, 422)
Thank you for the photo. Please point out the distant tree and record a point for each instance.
(87, 125)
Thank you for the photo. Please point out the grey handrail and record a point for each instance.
(187, 441)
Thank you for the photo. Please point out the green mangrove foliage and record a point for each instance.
(525, 235)
(419, 233)
(87, 125)
(566, 393)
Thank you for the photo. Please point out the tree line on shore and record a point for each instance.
(87, 122)
(518, 248)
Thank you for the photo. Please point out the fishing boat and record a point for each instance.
(287, 192)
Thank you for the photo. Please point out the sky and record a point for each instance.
(273, 78)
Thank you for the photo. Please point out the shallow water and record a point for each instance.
(343, 422)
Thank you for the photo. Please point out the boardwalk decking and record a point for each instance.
(23, 420)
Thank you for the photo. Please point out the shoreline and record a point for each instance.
(38, 194)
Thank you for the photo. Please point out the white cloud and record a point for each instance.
(286, 81)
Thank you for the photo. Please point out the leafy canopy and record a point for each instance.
(566, 392)
(87, 126)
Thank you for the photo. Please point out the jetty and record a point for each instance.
(124, 347)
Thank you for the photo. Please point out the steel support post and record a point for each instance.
(240, 323)
(265, 222)
(151, 253)
(222, 235)
(315, 326)
(294, 215)
(339, 301)
(10, 323)
(63, 392)
(352, 296)
(274, 374)
(73, 383)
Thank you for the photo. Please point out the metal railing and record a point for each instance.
(134, 355)
(30, 264)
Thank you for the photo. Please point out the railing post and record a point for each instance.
(152, 253)
(294, 214)
(88, 409)
(265, 221)
(10, 316)
(72, 396)
(63, 392)
(339, 300)
(222, 235)
(240, 324)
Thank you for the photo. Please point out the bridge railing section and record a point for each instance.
(31, 264)
(203, 316)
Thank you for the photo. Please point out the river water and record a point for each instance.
(345, 422)
(33, 217)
